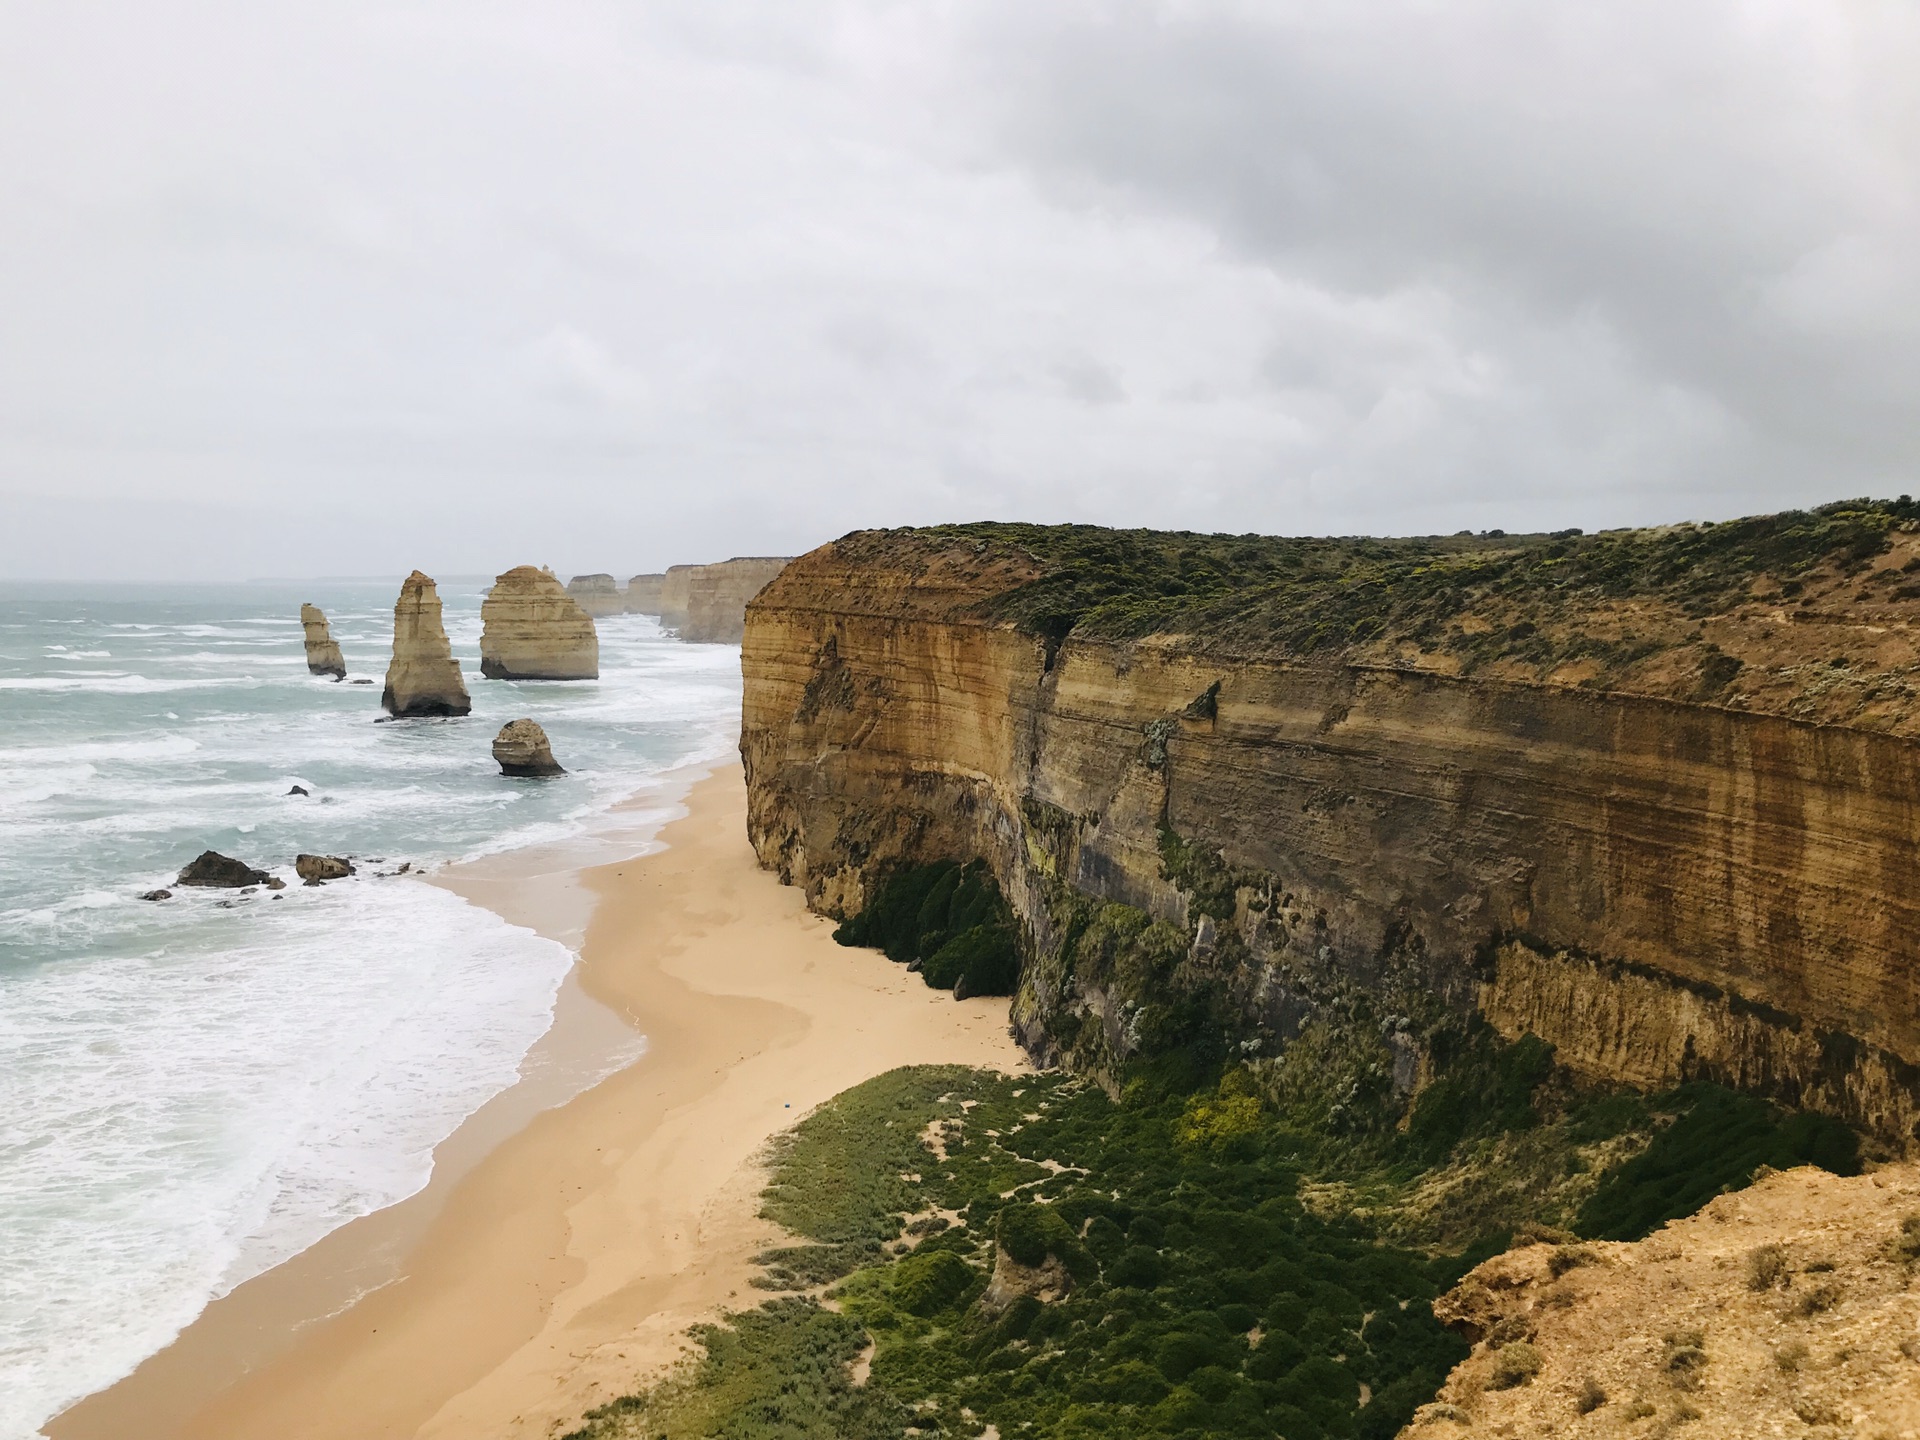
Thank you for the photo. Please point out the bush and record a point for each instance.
(927, 1283)
(949, 918)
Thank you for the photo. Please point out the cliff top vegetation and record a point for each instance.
(1806, 612)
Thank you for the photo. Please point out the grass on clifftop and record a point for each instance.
(1305, 596)
(1229, 1281)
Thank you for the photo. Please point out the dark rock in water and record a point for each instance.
(301, 789)
(221, 872)
(361, 681)
(317, 868)
(521, 748)
(158, 895)
(274, 882)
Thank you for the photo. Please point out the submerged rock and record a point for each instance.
(534, 630)
(217, 871)
(521, 748)
(424, 678)
(300, 790)
(323, 655)
(158, 895)
(317, 868)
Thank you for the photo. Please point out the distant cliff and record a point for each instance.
(717, 596)
(1653, 796)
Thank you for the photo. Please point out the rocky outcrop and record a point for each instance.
(643, 594)
(323, 656)
(521, 748)
(675, 585)
(318, 869)
(707, 604)
(532, 629)
(598, 595)
(1784, 1306)
(717, 597)
(1694, 856)
(212, 870)
(423, 678)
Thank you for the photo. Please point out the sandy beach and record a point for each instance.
(550, 1267)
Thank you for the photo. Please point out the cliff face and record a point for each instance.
(423, 677)
(1696, 856)
(323, 655)
(675, 586)
(598, 595)
(643, 594)
(717, 596)
(534, 630)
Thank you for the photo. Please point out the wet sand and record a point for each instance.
(560, 1253)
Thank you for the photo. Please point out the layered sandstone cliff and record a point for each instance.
(323, 655)
(1653, 796)
(423, 677)
(532, 629)
(643, 594)
(675, 586)
(717, 596)
(598, 595)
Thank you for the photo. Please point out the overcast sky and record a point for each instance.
(307, 288)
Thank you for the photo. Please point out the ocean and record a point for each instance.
(194, 1090)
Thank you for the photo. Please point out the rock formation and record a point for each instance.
(717, 597)
(598, 595)
(213, 870)
(521, 748)
(1650, 796)
(323, 656)
(534, 630)
(643, 594)
(424, 678)
(706, 604)
(674, 586)
(317, 869)
(1781, 1307)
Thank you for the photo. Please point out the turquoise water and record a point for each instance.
(193, 1090)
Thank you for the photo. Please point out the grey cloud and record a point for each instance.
(353, 287)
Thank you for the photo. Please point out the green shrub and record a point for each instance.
(950, 919)
(1714, 1143)
(926, 1283)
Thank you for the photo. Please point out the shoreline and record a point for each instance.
(562, 1251)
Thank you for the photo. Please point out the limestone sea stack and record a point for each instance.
(598, 594)
(323, 656)
(521, 748)
(534, 630)
(424, 678)
(643, 594)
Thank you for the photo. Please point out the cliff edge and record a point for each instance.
(1650, 795)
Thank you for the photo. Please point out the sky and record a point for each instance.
(346, 288)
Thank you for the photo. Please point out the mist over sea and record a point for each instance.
(194, 1090)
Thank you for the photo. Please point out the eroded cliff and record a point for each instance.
(717, 596)
(1650, 796)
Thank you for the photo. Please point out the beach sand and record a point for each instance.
(549, 1268)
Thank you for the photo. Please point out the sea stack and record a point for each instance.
(597, 594)
(323, 656)
(717, 596)
(424, 678)
(534, 630)
(521, 748)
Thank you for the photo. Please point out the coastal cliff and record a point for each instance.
(534, 630)
(643, 594)
(598, 595)
(1651, 796)
(717, 596)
